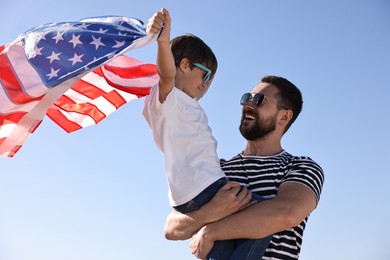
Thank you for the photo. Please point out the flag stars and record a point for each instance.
(58, 37)
(84, 26)
(40, 36)
(97, 42)
(76, 58)
(102, 31)
(35, 52)
(53, 73)
(119, 44)
(75, 40)
(53, 56)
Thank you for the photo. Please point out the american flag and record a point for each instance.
(74, 72)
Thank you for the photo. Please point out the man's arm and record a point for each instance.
(292, 204)
(160, 22)
(228, 200)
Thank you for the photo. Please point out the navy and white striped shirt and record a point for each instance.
(263, 175)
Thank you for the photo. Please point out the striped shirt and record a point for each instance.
(263, 175)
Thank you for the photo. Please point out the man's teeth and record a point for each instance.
(249, 116)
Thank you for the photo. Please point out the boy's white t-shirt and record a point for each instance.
(181, 131)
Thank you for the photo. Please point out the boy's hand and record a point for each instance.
(160, 21)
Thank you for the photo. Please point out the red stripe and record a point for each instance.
(11, 118)
(2, 140)
(35, 126)
(69, 105)
(14, 151)
(14, 118)
(115, 98)
(87, 89)
(62, 121)
(144, 70)
(11, 83)
(138, 91)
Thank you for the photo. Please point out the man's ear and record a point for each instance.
(285, 116)
(184, 64)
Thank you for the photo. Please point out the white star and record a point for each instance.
(53, 73)
(75, 40)
(53, 56)
(58, 37)
(35, 52)
(40, 36)
(119, 44)
(102, 31)
(76, 58)
(84, 26)
(97, 42)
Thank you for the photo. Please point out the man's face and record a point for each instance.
(259, 121)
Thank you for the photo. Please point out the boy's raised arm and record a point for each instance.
(160, 22)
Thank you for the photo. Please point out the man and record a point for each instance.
(291, 184)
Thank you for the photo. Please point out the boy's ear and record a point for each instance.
(184, 64)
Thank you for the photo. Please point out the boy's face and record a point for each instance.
(191, 81)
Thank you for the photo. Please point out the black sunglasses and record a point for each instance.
(257, 98)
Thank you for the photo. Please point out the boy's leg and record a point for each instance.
(202, 198)
(222, 250)
(250, 249)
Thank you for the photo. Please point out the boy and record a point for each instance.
(186, 67)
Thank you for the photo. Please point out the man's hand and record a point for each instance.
(200, 245)
(228, 200)
(160, 21)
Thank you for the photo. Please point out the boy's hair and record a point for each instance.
(289, 96)
(195, 50)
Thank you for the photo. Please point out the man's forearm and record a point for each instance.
(182, 226)
(255, 222)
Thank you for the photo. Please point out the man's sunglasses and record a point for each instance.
(257, 98)
(208, 72)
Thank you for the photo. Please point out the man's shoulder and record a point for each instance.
(302, 160)
(305, 170)
(234, 159)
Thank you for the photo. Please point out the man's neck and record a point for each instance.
(262, 148)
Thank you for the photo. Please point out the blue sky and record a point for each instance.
(101, 193)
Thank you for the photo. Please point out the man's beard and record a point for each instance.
(257, 128)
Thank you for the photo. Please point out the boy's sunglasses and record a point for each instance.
(208, 72)
(257, 98)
